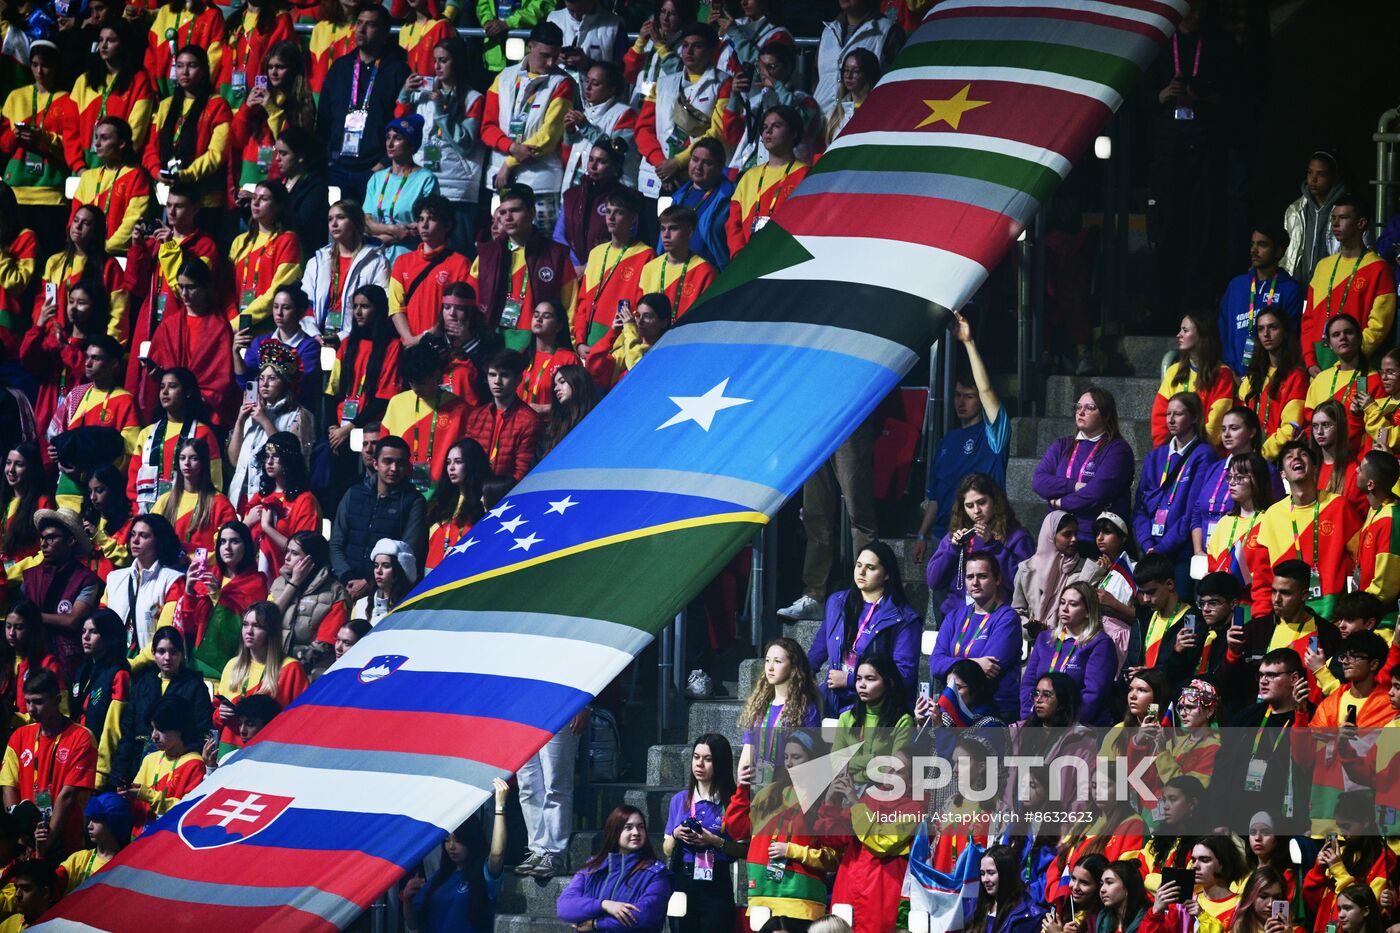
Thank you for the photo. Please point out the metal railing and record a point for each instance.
(1387, 139)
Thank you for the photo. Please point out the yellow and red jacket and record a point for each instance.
(683, 286)
(759, 192)
(610, 275)
(136, 105)
(124, 196)
(1363, 288)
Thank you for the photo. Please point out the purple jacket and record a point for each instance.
(647, 888)
(1107, 477)
(944, 566)
(1092, 666)
(1212, 499)
(1174, 498)
(897, 630)
(1000, 638)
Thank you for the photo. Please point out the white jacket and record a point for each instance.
(872, 34)
(149, 587)
(597, 33)
(369, 267)
(463, 156)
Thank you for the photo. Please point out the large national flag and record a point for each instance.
(948, 897)
(552, 595)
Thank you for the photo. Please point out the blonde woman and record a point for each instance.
(783, 699)
(260, 667)
(1077, 647)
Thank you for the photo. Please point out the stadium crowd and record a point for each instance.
(282, 321)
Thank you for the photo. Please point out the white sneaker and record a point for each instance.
(806, 609)
(699, 685)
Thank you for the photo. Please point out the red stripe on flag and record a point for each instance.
(105, 907)
(1047, 118)
(974, 232)
(1045, 13)
(357, 876)
(510, 743)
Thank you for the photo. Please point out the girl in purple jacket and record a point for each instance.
(625, 886)
(1090, 472)
(986, 631)
(1077, 647)
(874, 615)
(982, 520)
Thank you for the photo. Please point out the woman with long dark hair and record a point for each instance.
(284, 503)
(872, 616)
(1053, 731)
(1239, 435)
(1003, 905)
(37, 142)
(365, 377)
(466, 342)
(102, 687)
(700, 854)
(179, 25)
(456, 504)
(84, 261)
(575, 395)
(115, 84)
(226, 587)
(106, 513)
(274, 409)
(625, 880)
(143, 594)
(299, 161)
(460, 897)
(1275, 385)
(290, 307)
(1124, 898)
(266, 258)
(54, 349)
(1078, 910)
(26, 650)
(190, 139)
(549, 349)
(1233, 544)
(879, 719)
(182, 415)
(172, 675)
(24, 490)
(1198, 370)
(252, 34)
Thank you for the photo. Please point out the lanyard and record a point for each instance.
(355, 86)
(185, 106)
(53, 756)
(34, 105)
(111, 188)
(174, 36)
(253, 260)
(1270, 292)
(1215, 493)
(498, 423)
(106, 93)
(1346, 290)
(379, 205)
(608, 273)
(962, 645)
(777, 187)
(1265, 398)
(1180, 469)
(1337, 371)
(1259, 734)
(432, 431)
(1234, 523)
(537, 381)
(680, 287)
(102, 414)
(1069, 462)
(1059, 646)
(852, 656)
(335, 279)
(1297, 535)
(1176, 56)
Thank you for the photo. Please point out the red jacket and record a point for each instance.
(510, 441)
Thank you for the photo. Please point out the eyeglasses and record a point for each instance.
(1044, 694)
(1088, 407)
(51, 537)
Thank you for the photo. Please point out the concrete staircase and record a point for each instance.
(527, 905)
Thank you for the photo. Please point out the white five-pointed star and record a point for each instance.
(500, 510)
(462, 547)
(702, 408)
(524, 544)
(511, 525)
(562, 506)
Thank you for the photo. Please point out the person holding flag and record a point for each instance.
(213, 599)
(1354, 281)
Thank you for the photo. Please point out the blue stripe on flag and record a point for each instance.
(515, 699)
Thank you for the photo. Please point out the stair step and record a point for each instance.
(520, 923)
(1133, 394)
(720, 716)
(669, 765)
(1033, 436)
(531, 897)
(1144, 354)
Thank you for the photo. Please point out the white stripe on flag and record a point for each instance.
(579, 664)
(1160, 23)
(438, 801)
(1010, 147)
(937, 275)
(1029, 76)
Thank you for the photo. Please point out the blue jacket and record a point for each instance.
(1234, 312)
(1212, 501)
(1000, 638)
(647, 888)
(1174, 497)
(1023, 918)
(982, 448)
(896, 630)
(1092, 666)
(709, 239)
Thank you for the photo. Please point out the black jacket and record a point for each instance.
(364, 517)
(335, 103)
(136, 718)
(307, 204)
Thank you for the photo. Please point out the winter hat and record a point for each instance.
(400, 552)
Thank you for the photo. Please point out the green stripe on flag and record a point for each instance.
(1035, 180)
(1086, 64)
(619, 582)
(780, 250)
(222, 637)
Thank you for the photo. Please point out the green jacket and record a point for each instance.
(527, 13)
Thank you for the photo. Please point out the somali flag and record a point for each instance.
(948, 898)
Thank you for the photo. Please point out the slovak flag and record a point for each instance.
(228, 815)
(948, 898)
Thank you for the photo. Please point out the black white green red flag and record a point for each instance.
(555, 592)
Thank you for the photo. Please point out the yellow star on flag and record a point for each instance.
(951, 111)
